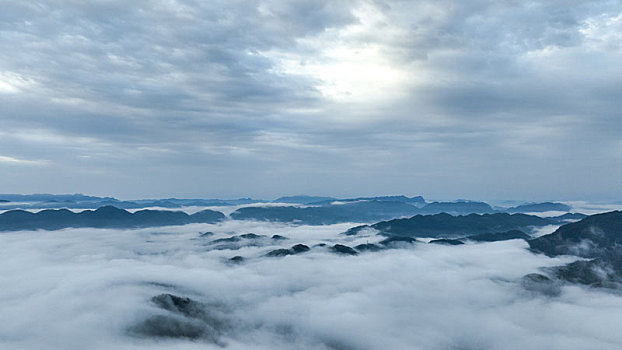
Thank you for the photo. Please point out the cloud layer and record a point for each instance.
(84, 288)
(448, 98)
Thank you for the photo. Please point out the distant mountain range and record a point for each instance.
(538, 208)
(85, 202)
(416, 201)
(596, 239)
(302, 209)
(52, 197)
(437, 225)
(104, 217)
(448, 226)
(301, 199)
(355, 211)
(461, 207)
(363, 210)
(389, 209)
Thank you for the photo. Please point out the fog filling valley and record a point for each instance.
(106, 289)
(311, 175)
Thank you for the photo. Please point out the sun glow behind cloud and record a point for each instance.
(356, 74)
(345, 68)
(12, 83)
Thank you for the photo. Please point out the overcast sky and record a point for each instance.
(448, 99)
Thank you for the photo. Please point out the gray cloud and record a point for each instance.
(434, 98)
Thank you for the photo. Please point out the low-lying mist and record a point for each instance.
(109, 289)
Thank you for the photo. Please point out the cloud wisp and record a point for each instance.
(17, 161)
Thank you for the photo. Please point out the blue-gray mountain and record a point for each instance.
(538, 208)
(363, 210)
(597, 238)
(359, 211)
(302, 199)
(356, 211)
(44, 197)
(183, 317)
(461, 207)
(417, 201)
(83, 202)
(449, 226)
(104, 217)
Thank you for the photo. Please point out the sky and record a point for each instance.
(447, 99)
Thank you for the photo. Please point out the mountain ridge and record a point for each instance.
(104, 217)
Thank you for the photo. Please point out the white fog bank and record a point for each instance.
(84, 288)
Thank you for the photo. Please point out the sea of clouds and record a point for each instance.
(89, 288)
